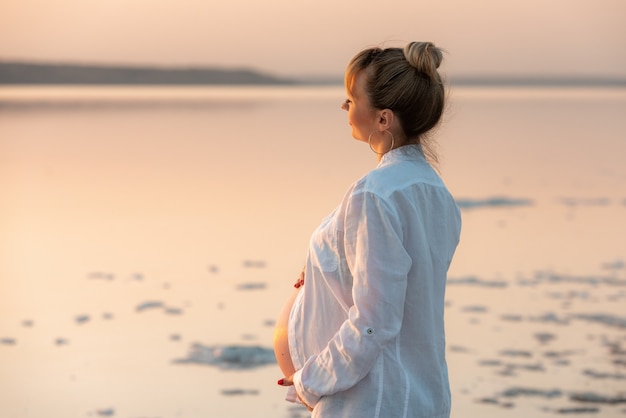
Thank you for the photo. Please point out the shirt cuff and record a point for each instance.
(306, 397)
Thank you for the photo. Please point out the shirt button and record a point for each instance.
(370, 331)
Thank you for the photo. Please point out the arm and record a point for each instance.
(379, 264)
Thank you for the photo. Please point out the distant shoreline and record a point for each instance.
(551, 81)
(12, 73)
(32, 73)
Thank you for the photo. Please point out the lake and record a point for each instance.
(149, 236)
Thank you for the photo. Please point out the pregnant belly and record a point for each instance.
(281, 342)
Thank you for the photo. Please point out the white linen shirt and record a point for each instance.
(366, 331)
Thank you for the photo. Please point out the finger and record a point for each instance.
(286, 381)
(300, 281)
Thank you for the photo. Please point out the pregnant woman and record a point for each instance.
(363, 334)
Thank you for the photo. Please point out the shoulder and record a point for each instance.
(398, 176)
(401, 183)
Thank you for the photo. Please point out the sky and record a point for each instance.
(318, 37)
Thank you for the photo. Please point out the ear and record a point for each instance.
(386, 119)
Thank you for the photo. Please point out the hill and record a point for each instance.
(44, 73)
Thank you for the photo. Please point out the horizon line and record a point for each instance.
(321, 79)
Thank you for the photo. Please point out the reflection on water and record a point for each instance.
(229, 357)
(214, 99)
(556, 343)
(142, 227)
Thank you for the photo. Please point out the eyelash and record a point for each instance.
(348, 101)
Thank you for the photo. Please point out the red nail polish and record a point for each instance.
(281, 381)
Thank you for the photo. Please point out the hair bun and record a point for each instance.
(425, 57)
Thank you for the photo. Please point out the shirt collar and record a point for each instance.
(403, 153)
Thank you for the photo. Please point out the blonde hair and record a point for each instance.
(407, 82)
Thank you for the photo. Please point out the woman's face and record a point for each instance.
(361, 115)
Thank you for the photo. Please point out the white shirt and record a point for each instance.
(366, 332)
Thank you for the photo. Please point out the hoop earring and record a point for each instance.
(369, 141)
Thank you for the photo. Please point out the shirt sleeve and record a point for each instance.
(379, 264)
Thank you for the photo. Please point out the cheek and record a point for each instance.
(359, 118)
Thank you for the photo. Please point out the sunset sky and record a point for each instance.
(306, 37)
